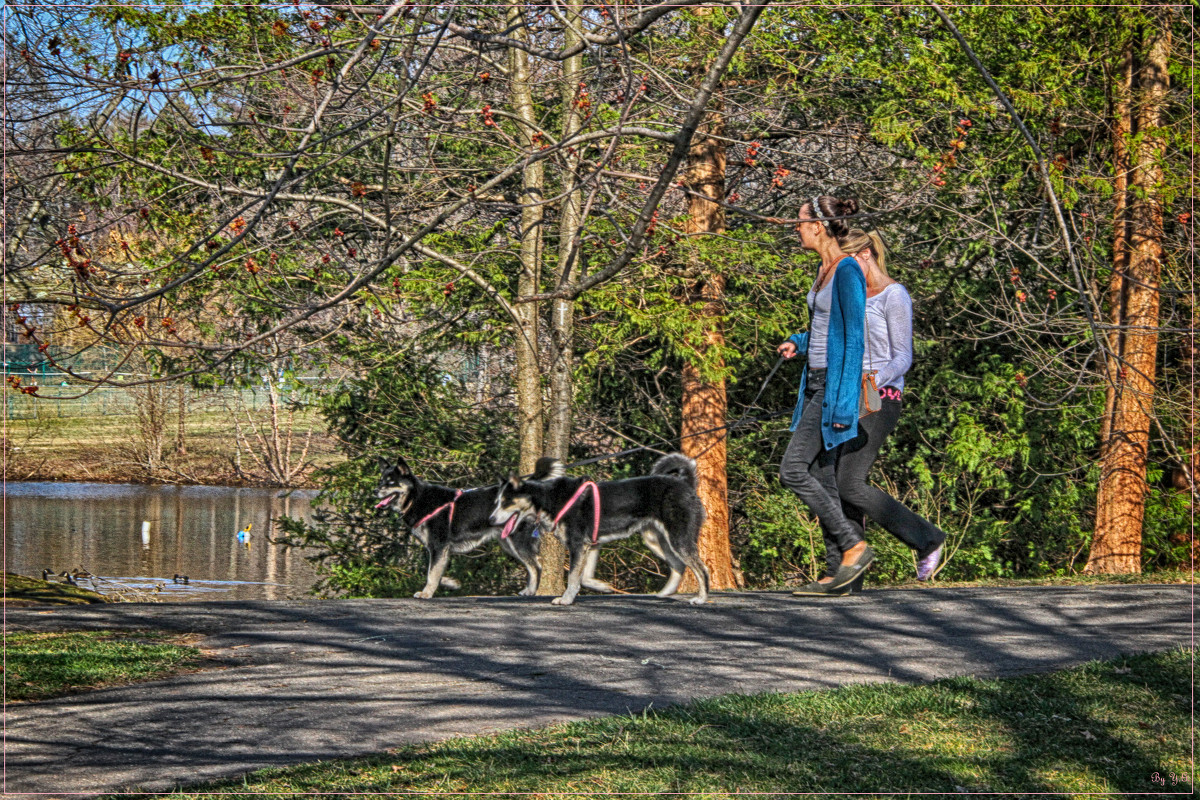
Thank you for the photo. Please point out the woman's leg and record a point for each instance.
(854, 464)
(853, 514)
(810, 472)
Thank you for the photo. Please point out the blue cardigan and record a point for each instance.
(844, 355)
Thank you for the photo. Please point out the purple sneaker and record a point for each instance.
(928, 565)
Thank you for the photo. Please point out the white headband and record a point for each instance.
(816, 207)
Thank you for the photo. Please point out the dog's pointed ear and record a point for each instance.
(402, 465)
(383, 463)
(514, 481)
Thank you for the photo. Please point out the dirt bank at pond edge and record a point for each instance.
(22, 591)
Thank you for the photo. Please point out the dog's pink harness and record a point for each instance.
(440, 509)
(595, 507)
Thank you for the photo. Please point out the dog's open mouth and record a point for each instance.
(509, 524)
(385, 501)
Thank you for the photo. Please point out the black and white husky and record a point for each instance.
(450, 521)
(662, 506)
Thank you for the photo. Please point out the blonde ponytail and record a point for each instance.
(858, 240)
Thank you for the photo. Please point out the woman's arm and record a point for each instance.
(898, 313)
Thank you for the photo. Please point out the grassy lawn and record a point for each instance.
(105, 448)
(1102, 728)
(42, 665)
(1161, 576)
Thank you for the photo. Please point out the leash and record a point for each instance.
(743, 420)
(653, 446)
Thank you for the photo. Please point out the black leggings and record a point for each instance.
(860, 499)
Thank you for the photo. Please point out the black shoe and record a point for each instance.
(848, 573)
(818, 589)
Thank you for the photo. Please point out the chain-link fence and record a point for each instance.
(33, 364)
(109, 401)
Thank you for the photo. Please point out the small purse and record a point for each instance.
(869, 400)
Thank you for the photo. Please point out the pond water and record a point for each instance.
(134, 540)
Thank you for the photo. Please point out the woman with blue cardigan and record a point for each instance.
(826, 412)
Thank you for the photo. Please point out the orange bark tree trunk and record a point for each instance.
(704, 400)
(1120, 501)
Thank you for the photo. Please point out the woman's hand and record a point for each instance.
(787, 350)
(837, 427)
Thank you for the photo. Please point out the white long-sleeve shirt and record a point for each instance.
(889, 349)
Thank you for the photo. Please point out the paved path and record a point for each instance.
(325, 679)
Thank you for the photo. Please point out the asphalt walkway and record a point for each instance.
(315, 680)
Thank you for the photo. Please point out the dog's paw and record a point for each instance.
(698, 601)
(527, 593)
(423, 595)
(665, 593)
(450, 583)
(598, 586)
(561, 601)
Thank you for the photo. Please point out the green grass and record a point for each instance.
(1160, 576)
(42, 665)
(1101, 728)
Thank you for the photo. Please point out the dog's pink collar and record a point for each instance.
(440, 509)
(595, 507)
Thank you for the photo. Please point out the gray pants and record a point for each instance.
(809, 470)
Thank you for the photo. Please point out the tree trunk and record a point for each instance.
(1191, 481)
(704, 402)
(1122, 127)
(181, 408)
(1120, 501)
(552, 554)
(529, 376)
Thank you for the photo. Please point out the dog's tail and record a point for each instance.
(547, 468)
(677, 465)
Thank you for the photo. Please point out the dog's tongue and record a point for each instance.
(509, 525)
(385, 501)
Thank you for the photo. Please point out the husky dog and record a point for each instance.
(663, 506)
(449, 521)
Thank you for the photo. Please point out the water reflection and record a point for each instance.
(142, 536)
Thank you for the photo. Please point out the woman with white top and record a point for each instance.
(888, 353)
